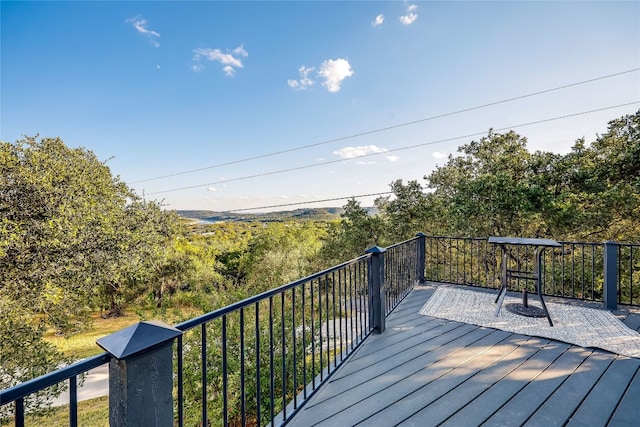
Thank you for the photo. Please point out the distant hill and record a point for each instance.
(309, 214)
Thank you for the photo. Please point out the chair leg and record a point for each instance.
(539, 284)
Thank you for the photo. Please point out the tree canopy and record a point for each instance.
(496, 186)
(73, 238)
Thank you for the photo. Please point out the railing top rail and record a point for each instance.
(564, 242)
(207, 317)
(402, 243)
(32, 386)
(629, 245)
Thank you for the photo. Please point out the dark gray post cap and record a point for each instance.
(376, 250)
(137, 338)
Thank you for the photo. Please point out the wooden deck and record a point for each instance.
(424, 371)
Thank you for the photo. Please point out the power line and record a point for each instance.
(311, 202)
(471, 135)
(357, 135)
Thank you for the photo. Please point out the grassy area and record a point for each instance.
(92, 412)
(83, 344)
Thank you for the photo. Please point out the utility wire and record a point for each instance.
(357, 135)
(471, 135)
(311, 201)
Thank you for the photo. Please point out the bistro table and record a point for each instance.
(523, 309)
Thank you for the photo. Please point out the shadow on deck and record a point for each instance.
(425, 371)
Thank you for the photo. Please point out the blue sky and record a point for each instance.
(164, 88)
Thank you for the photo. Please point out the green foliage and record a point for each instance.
(59, 227)
(26, 357)
(497, 187)
(72, 238)
(404, 213)
(356, 232)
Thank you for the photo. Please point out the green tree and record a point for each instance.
(356, 232)
(489, 188)
(282, 253)
(72, 238)
(405, 212)
(60, 213)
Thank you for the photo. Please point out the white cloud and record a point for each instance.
(141, 27)
(393, 158)
(353, 152)
(366, 163)
(211, 189)
(378, 21)
(240, 51)
(334, 72)
(304, 82)
(230, 61)
(439, 154)
(410, 17)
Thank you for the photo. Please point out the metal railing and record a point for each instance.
(628, 277)
(21, 393)
(271, 352)
(576, 270)
(403, 268)
(256, 362)
(262, 357)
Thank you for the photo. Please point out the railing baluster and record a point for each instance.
(620, 280)
(243, 402)
(320, 320)
(326, 302)
(340, 311)
(284, 352)
(313, 340)
(593, 276)
(351, 316)
(258, 364)
(19, 412)
(631, 274)
(203, 349)
(304, 342)
(180, 379)
(333, 314)
(293, 338)
(271, 361)
(73, 401)
(225, 380)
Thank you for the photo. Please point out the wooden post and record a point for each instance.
(610, 286)
(141, 375)
(376, 288)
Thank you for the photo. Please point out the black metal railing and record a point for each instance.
(257, 361)
(402, 269)
(628, 283)
(20, 394)
(261, 358)
(575, 270)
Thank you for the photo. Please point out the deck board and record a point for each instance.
(483, 406)
(425, 371)
(603, 398)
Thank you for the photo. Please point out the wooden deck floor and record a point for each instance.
(424, 371)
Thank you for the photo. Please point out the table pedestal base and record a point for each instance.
(525, 310)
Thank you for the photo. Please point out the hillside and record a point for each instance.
(308, 214)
